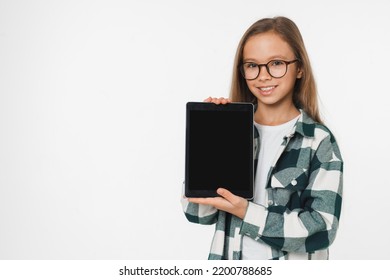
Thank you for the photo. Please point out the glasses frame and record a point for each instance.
(266, 67)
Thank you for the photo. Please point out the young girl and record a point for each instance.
(298, 184)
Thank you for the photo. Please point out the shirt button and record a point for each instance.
(270, 202)
(294, 182)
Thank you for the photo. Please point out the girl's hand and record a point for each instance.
(221, 100)
(228, 202)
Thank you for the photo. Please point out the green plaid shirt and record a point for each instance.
(304, 190)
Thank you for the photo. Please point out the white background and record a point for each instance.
(92, 119)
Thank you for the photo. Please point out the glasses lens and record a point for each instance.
(277, 68)
(250, 70)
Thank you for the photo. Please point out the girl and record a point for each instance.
(298, 184)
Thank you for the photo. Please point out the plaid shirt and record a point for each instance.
(304, 189)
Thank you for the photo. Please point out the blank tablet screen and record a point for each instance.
(219, 149)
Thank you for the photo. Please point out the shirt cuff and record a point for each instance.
(254, 220)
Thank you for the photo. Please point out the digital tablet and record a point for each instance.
(219, 149)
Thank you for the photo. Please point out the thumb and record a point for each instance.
(226, 194)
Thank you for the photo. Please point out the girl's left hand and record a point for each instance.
(228, 202)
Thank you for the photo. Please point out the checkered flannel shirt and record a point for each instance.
(304, 189)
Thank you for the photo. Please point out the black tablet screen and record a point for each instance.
(220, 149)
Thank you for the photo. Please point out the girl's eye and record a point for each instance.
(276, 63)
(250, 65)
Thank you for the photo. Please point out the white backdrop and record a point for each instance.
(92, 119)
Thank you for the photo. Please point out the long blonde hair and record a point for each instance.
(305, 91)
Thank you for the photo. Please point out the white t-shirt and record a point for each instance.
(271, 137)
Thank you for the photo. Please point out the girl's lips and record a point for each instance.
(266, 90)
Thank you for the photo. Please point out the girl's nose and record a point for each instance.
(264, 75)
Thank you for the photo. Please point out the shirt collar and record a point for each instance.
(305, 125)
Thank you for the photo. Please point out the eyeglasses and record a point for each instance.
(276, 68)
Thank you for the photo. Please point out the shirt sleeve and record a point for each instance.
(200, 214)
(313, 224)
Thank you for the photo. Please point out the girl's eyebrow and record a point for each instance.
(269, 58)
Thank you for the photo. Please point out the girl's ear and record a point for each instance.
(299, 73)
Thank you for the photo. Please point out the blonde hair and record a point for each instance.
(305, 91)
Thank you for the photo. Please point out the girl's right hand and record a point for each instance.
(221, 100)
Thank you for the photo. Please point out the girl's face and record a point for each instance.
(268, 90)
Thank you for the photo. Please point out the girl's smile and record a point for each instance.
(266, 90)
